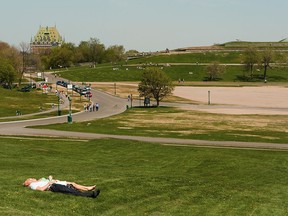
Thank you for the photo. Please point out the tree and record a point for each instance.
(34, 62)
(7, 73)
(251, 57)
(214, 71)
(96, 51)
(115, 53)
(12, 54)
(132, 53)
(24, 50)
(82, 52)
(155, 83)
(61, 56)
(267, 58)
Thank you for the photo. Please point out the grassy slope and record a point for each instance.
(139, 178)
(27, 102)
(203, 57)
(105, 72)
(143, 179)
(171, 122)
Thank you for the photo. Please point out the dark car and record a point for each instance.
(25, 89)
(59, 82)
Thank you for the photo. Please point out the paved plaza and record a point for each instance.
(268, 100)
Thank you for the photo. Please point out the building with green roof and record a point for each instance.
(46, 38)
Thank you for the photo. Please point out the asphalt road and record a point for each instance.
(111, 105)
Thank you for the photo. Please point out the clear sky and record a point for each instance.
(146, 25)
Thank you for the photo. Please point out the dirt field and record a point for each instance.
(268, 100)
(263, 100)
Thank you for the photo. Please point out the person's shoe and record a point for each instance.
(96, 193)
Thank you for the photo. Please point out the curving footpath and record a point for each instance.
(110, 105)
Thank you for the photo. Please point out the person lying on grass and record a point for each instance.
(50, 184)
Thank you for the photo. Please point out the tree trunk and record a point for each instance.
(158, 102)
(265, 72)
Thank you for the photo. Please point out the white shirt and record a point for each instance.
(40, 183)
(43, 182)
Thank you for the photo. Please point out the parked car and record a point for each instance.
(62, 83)
(25, 88)
(87, 88)
(59, 82)
(88, 94)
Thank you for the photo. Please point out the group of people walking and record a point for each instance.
(91, 107)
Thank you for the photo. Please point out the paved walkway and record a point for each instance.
(110, 105)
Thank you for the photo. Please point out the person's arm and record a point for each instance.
(43, 188)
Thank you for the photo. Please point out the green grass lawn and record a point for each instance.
(202, 57)
(187, 124)
(139, 178)
(37, 116)
(188, 73)
(102, 74)
(105, 72)
(26, 102)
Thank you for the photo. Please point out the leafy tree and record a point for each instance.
(62, 56)
(132, 53)
(90, 51)
(96, 51)
(115, 53)
(82, 52)
(267, 58)
(155, 83)
(12, 54)
(251, 57)
(214, 71)
(7, 73)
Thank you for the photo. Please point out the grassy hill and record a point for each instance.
(26, 102)
(190, 73)
(245, 44)
(202, 57)
(189, 65)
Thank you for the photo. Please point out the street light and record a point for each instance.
(131, 99)
(114, 88)
(59, 98)
(70, 111)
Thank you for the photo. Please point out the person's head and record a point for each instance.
(28, 182)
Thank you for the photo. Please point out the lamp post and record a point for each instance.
(114, 88)
(131, 99)
(70, 110)
(59, 111)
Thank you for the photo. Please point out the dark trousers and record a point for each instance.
(69, 189)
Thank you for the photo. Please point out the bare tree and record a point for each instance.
(267, 58)
(214, 71)
(24, 50)
(251, 58)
